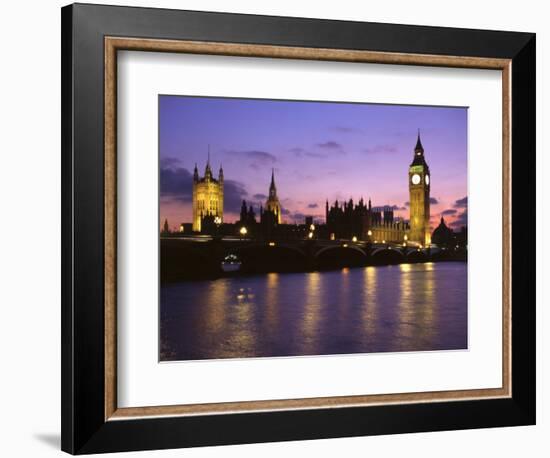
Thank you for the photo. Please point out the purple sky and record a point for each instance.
(319, 150)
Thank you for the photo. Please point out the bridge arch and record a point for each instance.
(417, 256)
(387, 255)
(337, 256)
(258, 257)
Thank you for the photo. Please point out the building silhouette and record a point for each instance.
(348, 220)
(248, 216)
(207, 196)
(443, 235)
(419, 196)
(343, 220)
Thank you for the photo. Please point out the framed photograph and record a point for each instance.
(282, 228)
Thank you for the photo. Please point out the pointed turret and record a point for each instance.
(220, 174)
(208, 169)
(272, 203)
(196, 174)
(272, 187)
(418, 147)
(243, 212)
(418, 158)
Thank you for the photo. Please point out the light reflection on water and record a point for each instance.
(407, 307)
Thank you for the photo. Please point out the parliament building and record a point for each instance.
(378, 224)
(207, 197)
(346, 220)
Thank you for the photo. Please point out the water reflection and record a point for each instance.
(409, 307)
(311, 315)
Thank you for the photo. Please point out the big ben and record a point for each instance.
(419, 197)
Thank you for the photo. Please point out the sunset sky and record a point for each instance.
(319, 151)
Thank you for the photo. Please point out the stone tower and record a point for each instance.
(207, 195)
(272, 203)
(419, 197)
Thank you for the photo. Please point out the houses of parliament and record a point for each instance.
(345, 220)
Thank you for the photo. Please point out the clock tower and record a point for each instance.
(419, 197)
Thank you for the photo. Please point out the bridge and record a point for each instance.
(205, 256)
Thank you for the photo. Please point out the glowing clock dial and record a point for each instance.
(415, 178)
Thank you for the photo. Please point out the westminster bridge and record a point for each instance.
(189, 257)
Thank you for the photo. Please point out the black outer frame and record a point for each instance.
(84, 429)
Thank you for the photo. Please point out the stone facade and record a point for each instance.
(207, 196)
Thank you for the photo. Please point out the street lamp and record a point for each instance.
(354, 239)
(406, 237)
(217, 222)
(243, 231)
(312, 227)
(310, 235)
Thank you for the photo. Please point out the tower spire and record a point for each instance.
(208, 170)
(272, 187)
(418, 147)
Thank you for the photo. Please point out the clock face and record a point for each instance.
(427, 179)
(415, 178)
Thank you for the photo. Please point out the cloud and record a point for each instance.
(312, 206)
(260, 196)
(347, 130)
(169, 162)
(261, 156)
(233, 194)
(177, 183)
(461, 220)
(450, 211)
(297, 150)
(300, 152)
(380, 149)
(258, 158)
(285, 211)
(407, 204)
(461, 203)
(316, 155)
(329, 145)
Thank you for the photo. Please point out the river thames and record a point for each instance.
(406, 307)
